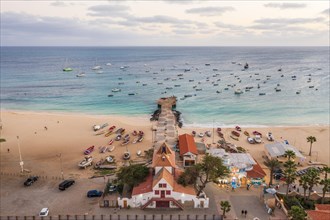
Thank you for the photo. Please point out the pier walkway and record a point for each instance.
(166, 125)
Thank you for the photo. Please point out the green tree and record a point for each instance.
(132, 175)
(290, 169)
(189, 176)
(148, 154)
(325, 188)
(297, 213)
(303, 182)
(290, 154)
(311, 139)
(225, 207)
(207, 171)
(314, 179)
(272, 165)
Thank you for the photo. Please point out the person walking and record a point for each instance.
(245, 213)
(242, 212)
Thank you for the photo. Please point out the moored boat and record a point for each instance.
(111, 142)
(103, 149)
(89, 150)
(111, 148)
(138, 153)
(110, 159)
(127, 155)
(87, 161)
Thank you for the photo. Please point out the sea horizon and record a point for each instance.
(32, 79)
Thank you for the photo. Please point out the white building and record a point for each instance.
(160, 190)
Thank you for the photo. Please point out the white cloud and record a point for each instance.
(210, 11)
(285, 5)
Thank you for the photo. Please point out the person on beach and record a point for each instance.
(245, 213)
(8, 150)
(242, 212)
(46, 128)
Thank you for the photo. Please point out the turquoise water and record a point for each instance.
(32, 79)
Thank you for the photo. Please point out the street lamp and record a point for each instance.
(21, 163)
(62, 174)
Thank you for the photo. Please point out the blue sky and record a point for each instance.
(164, 23)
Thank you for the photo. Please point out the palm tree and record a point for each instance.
(225, 207)
(289, 173)
(325, 182)
(303, 182)
(326, 187)
(314, 179)
(272, 165)
(290, 154)
(311, 139)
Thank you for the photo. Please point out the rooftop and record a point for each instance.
(278, 149)
(187, 144)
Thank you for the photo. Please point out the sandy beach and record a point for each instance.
(70, 134)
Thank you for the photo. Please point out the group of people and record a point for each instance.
(244, 212)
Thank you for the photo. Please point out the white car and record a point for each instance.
(257, 139)
(250, 140)
(270, 136)
(44, 212)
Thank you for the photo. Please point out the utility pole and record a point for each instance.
(213, 132)
(21, 163)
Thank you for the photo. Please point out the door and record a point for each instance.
(162, 204)
(162, 194)
(125, 203)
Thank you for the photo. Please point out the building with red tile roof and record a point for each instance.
(160, 189)
(188, 149)
(321, 212)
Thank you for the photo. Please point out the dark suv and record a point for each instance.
(66, 184)
(30, 180)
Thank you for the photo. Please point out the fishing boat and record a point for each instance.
(135, 140)
(298, 92)
(116, 90)
(119, 130)
(108, 64)
(141, 133)
(87, 161)
(138, 153)
(118, 137)
(82, 74)
(103, 149)
(99, 163)
(126, 137)
(262, 93)
(233, 137)
(125, 142)
(238, 92)
(238, 128)
(66, 68)
(201, 134)
(100, 132)
(247, 133)
(89, 150)
(111, 142)
(277, 89)
(109, 159)
(111, 148)
(193, 133)
(134, 133)
(235, 133)
(246, 66)
(208, 133)
(127, 155)
(140, 139)
(257, 133)
(108, 133)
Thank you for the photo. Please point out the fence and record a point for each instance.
(116, 217)
(25, 175)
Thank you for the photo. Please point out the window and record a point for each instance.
(156, 192)
(168, 192)
(162, 185)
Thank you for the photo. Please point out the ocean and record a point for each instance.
(32, 79)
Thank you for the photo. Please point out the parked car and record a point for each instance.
(66, 184)
(44, 212)
(270, 136)
(94, 193)
(30, 180)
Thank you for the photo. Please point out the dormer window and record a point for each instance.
(162, 185)
(164, 149)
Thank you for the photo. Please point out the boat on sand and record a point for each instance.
(89, 150)
(87, 161)
(127, 155)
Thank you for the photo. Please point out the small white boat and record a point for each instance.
(111, 148)
(87, 161)
(135, 140)
(108, 64)
(140, 139)
(109, 159)
(201, 134)
(103, 149)
(115, 90)
(96, 68)
(138, 153)
(82, 74)
(238, 91)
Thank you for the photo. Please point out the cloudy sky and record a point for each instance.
(164, 23)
